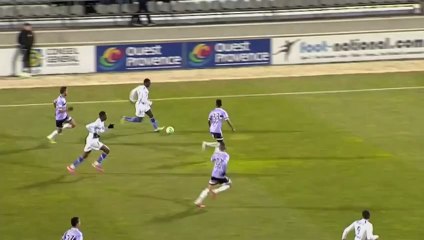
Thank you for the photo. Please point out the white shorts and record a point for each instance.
(141, 109)
(92, 144)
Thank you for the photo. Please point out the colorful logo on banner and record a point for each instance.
(138, 57)
(228, 53)
(200, 55)
(112, 58)
(36, 58)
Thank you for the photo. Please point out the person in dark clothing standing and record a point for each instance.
(26, 40)
(142, 8)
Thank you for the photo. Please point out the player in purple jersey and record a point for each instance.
(220, 158)
(63, 120)
(216, 117)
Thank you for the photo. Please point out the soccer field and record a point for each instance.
(304, 164)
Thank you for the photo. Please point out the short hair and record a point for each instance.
(366, 214)
(102, 113)
(218, 102)
(63, 90)
(146, 80)
(27, 24)
(74, 221)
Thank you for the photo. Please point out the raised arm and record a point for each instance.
(347, 231)
(133, 95)
(370, 235)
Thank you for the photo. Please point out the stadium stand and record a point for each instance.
(79, 13)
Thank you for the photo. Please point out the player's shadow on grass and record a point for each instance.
(59, 180)
(151, 145)
(6, 136)
(167, 218)
(312, 208)
(189, 209)
(181, 202)
(319, 158)
(171, 174)
(27, 164)
(39, 146)
(247, 131)
(177, 165)
(114, 135)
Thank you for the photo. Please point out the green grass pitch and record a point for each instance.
(303, 166)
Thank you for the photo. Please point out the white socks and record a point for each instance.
(221, 189)
(53, 134)
(205, 192)
(56, 132)
(202, 196)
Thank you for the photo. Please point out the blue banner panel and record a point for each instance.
(228, 53)
(119, 58)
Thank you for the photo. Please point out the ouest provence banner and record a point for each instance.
(246, 52)
(136, 57)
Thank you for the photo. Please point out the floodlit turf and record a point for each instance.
(303, 166)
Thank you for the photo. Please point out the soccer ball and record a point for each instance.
(169, 130)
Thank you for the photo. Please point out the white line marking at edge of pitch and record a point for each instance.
(233, 96)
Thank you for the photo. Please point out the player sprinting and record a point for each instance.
(215, 119)
(73, 233)
(140, 95)
(220, 158)
(92, 142)
(63, 120)
(363, 228)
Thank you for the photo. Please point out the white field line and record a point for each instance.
(232, 96)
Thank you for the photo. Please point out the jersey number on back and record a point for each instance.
(68, 237)
(219, 163)
(216, 117)
(358, 230)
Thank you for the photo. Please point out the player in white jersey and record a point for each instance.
(363, 228)
(140, 96)
(215, 119)
(74, 233)
(220, 158)
(63, 120)
(92, 142)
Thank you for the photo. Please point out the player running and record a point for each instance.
(74, 233)
(363, 228)
(220, 158)
(216, 117)
(63, 120)
(140, 96)
(92, 142)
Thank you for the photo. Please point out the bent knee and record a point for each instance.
(106, 150)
